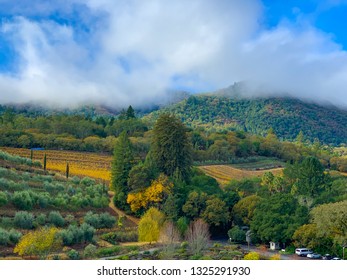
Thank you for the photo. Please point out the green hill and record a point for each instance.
(287, 116)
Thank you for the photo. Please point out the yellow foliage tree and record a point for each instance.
(155, 193)
(38, 243)
(150, 225)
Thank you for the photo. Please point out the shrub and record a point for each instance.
(56, 219)
(108, 251)
(74, 234)
(120, 236)
(4, 237)
(73, 255)
(41, 219)
(24, 220)
(38, 243)
(252, 256)
(43, 200)
(107, 220)
(3, 199)
(104, 220)
(86, 181)
(22, 200)
(70, 219)
(89, 251)
(15, 236)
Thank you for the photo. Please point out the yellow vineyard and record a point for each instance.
(224, 173)
(80, 163)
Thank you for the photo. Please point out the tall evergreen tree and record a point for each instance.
(130, 113)
(45, 162)
(121, 166)
(171, 149)
(67, 171)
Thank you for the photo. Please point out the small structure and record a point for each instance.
(275, 246)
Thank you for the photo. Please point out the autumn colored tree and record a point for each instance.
(121, 166)
(171, 147)
(150, 225)
(151, 196)
(38, 243)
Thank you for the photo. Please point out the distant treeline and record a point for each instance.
(286, 116)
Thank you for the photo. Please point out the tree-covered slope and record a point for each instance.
(286, 116)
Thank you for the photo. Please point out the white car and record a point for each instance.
(303, 252)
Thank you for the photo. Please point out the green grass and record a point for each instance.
(261, 164)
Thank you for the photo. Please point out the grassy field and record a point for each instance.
(260, 165)
(224, 173)
(80, 163)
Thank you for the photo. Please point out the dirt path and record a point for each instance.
(120, 212)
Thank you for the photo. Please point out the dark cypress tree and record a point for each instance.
(171, 149)
(44, 162)
(67, 172)
(130, 113)
(121, 166)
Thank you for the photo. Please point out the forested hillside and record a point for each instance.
(286, 116)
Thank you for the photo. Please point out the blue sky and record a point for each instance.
(71, 52)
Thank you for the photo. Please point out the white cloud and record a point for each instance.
(135, 50)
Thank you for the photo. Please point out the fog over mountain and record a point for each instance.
(117, 53)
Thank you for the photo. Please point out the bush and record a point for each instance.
(120, 236)
(107, 220)
(74, 234)
(3, 199)
(252, 256)
(102, 252)
(73, 255)
(24, 220)
(86, 181)
(4, 237)
(22, 200)
(43, 200)
(89, 251)
(104, 220)
(15, 236)
(70, 219)
(56, 219)
(41, 219)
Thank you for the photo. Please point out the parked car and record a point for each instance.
(327, 257)
(336, 258)
(314, 256)
(303, 252)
